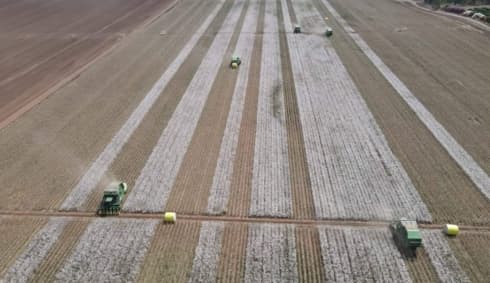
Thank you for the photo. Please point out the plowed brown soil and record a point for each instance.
(241, 185)
(60, 251)
(309, 255)
(171, 253)
(303, 206)
(444, 187)
(231, 266)
(473, 253)
(191, 189)
(14, 235)
(45, 43)
(134, 154)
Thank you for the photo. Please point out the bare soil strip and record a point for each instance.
(39, 246)
(231, 266)
(442, 257)
(309, 255)
(446, 190)
(221, 183)
(303, 205)
(109, 250)
(193, 182)
(479, 177)
(271, 190)
(353, 254)
(241, 184)
(16, 232)
(271, 254)
(473, 253)
(60, 251)
(99, 167)
(207, 252)
(171, 253)
(155, 182)
(353, 172)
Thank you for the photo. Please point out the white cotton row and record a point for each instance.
(271, 254)
(110, 250)
(156, 180)
(361, 255)
(271, 192)
(207, 252)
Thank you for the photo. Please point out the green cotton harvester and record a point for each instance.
(235, 62)
(406, 235)
(112, 198)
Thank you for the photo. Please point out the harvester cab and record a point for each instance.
(406, 235)
(297, 29)
(112, 198)
(235, 62)
(329, 32)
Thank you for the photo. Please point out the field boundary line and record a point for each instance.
(238, 219)
(96, 171)
(477, 175)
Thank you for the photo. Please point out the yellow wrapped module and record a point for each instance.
(451, 229)
(170, 217)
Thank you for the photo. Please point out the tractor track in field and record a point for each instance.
(239, 219)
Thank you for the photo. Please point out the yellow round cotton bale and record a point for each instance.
(170, 217)
(234, 65)
(451, 229)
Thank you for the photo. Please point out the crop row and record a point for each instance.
(271, 194)
(271, 254)
(98, 168)
(109, 251)
(355, 254)
(353, 172)
(221, 186)
(157, 178)
(207, 252)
